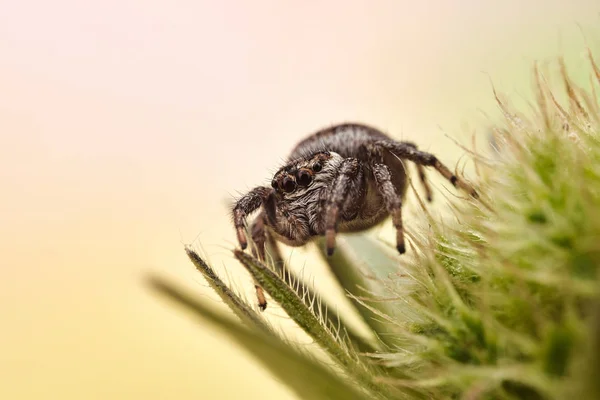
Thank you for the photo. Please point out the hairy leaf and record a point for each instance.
(307, 377)
(317, 328)
(235, 303)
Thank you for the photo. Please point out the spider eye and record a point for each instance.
(304, 178)
(274, 184)
(288, 184)
(317, 167)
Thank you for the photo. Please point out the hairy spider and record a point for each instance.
(345, 178)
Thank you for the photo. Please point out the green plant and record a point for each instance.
(501, 301)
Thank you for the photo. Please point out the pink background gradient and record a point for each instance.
(127, 126)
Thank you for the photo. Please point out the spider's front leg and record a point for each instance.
(247, 204)
(262, 237)
(244, 206)
(344, 190)
(258, 232)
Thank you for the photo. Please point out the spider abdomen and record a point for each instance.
(345, 140)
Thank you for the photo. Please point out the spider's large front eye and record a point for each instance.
(288, 184)
(304, 178)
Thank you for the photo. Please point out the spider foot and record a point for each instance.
(400, 244)
(260, 295)
(241, 237)
(330, 241)
(464, 186)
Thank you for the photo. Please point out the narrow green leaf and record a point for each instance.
(308, 296)
(305, 376)
(333, 318)
(235, 303)
(307, 320)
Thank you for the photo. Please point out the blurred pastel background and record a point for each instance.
(127, 126)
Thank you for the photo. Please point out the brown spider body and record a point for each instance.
(345, 178)
(364, 206)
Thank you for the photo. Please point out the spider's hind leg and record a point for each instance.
(410, 152)
(422, 175)
(424, 182)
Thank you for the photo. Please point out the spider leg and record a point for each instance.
(263, 238)
(393, 201)
(260, 231)
(259, 236)
(246, 205)
(253, 200)
(410, 152)
(349, 172)
(383, 180)
(260, 295)
(424, 182)
(422, 175)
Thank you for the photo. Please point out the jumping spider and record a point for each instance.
(345, 178)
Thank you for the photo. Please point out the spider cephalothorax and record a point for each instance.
(305, 174)
(346, 178)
